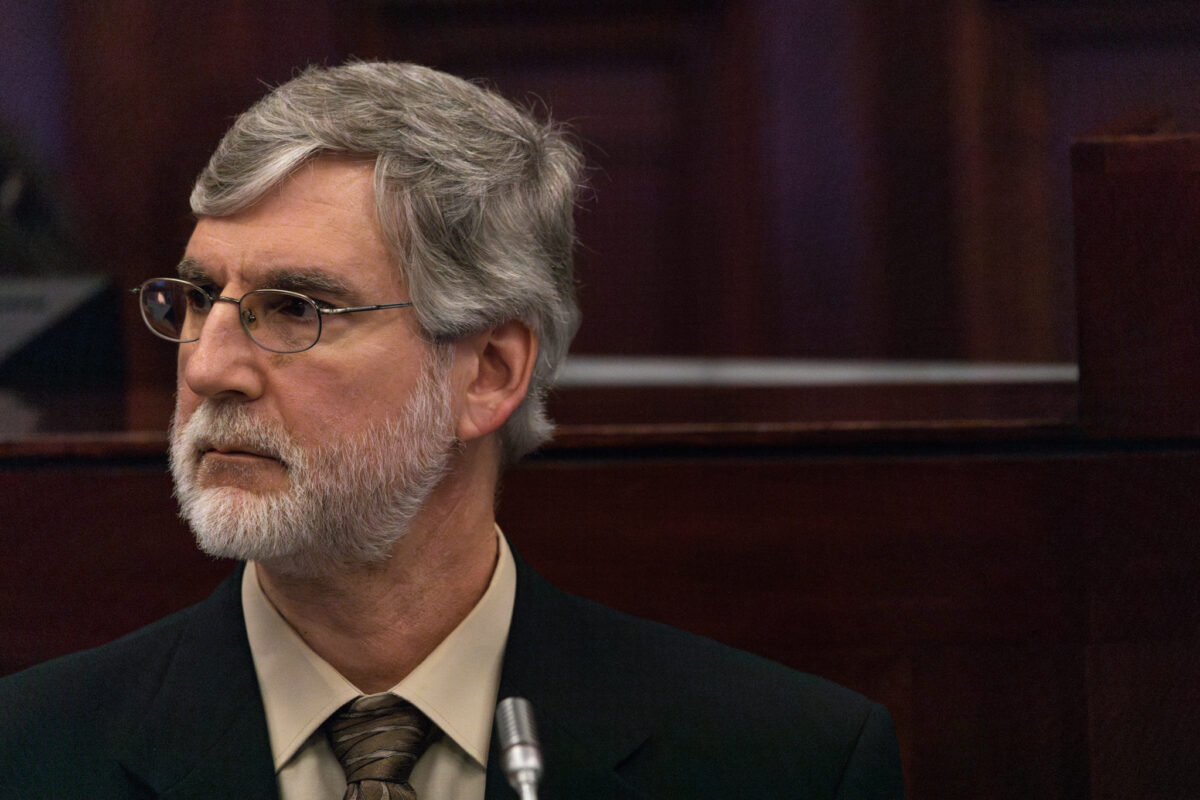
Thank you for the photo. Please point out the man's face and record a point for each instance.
(301, 458)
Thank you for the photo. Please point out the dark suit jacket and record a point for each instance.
(625, 709)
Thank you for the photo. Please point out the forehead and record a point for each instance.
(321, 220)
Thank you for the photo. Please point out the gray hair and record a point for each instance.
(475, 198)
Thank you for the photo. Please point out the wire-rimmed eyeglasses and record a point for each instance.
(275, 319)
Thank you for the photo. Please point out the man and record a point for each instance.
(373, 301)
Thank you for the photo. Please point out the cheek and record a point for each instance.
(350, 401)
(350, 405)
(317, 405)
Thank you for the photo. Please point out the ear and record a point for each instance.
(498, 365)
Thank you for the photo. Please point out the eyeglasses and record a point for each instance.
(274, 319)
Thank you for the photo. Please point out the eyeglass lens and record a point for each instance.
(276, 320)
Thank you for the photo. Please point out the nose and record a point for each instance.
(223, 362)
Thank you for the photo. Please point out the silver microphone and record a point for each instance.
(520, 754)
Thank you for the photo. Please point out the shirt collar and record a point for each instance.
(455, 686)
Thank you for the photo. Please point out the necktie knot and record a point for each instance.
(378, 739)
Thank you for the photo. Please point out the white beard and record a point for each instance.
(349, 500)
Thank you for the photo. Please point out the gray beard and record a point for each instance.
(349, 500)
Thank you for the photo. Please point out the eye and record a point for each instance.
(295, 307)
(287, 306)
(198, 299)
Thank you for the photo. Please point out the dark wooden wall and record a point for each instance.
(1025, 609)
(802, 178)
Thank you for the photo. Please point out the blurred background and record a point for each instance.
(797, 179)
(867, 383)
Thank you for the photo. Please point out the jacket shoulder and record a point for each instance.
(715, 718)
(71, 714)
(667, 666)
(96, 676)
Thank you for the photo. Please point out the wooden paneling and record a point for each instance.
(150, 89)
(1143, 562)
(1137, 205)
(817, 407)
(768, 178)
(1026, 609)
(661, 97)
(1142, 721)
(92, 551)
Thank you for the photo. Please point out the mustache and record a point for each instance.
(228, 427)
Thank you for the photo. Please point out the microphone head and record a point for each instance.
(520, 753)
(514, 722)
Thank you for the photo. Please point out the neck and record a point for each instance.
(374, 623)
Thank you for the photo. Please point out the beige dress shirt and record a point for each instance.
(455, 686)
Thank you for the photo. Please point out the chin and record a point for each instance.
(283, 532)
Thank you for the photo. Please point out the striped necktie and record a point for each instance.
(378, 739)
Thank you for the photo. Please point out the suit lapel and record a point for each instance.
(203, 732)
(550, 661)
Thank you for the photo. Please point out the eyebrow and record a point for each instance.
(304, 280)
(190, 270)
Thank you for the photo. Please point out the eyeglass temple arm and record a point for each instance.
(352, 309)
